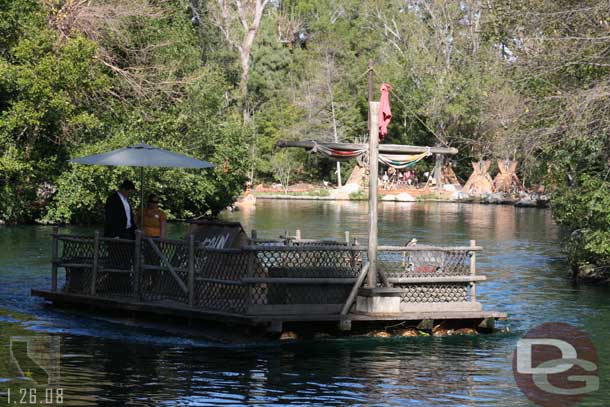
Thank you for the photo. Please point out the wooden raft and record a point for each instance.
(266, 282)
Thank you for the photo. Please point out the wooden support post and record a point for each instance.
(352, 254)
(438, 172)
(473, 268)
(54, 258)
(275, 327)
(354, 292)
(191, 270)
(345, 325)
(373, 172)
(251, 256)
(137, 264)
(165, 260)
(370, 89)
(96, 261)
(298, 234)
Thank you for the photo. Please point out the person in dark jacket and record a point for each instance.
(119, 219)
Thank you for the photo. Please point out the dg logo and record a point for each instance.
(555, 365)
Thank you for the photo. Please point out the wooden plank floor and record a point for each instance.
(179, 310)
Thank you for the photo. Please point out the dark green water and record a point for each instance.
(114, 364)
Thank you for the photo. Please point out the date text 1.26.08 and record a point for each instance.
(32, 396)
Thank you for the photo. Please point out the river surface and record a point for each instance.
(116, 363)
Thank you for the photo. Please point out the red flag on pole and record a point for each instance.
(385, 113)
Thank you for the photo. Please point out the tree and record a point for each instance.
(284, 167)
(559, 53)
(239, 21)
(79, 78)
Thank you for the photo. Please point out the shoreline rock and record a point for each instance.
(591, 274)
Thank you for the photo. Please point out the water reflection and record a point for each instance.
(447, 223)
(383, 372)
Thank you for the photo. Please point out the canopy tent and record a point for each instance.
(142, 155)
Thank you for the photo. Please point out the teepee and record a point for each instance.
(507, 180)
(479, 182)
(448, 175)
(358, 176)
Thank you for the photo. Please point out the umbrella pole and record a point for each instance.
(141, 198)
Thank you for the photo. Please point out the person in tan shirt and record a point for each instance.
(155, 220)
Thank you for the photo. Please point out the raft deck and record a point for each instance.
(267, 283)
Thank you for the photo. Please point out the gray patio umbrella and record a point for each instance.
(142, 155)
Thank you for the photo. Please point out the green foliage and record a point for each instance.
(284, 167)
(63, 96)
(318, 193)
(192, 127)
(584, 211)
(45, 93)
(565, 127)
(358, 196)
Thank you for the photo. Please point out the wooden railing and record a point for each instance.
(262, 279)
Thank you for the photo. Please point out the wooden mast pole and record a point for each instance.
(438, 172)
(373, 170)
(371, 90)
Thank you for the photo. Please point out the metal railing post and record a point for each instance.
(96, 261)
(54, 258)
(191, 270)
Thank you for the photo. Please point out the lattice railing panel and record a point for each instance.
(78, 279)
(157, 281)
(215, 296)
(71, 251)
(425, 263)
(418, 293)
(310, 263)
(115, 275)
(258, 294)
(174, 253)
(230, 280)
(218, 276)
(223, 264)
(305, 262)
(160, 284)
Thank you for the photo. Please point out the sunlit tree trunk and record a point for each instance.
(239, 22)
